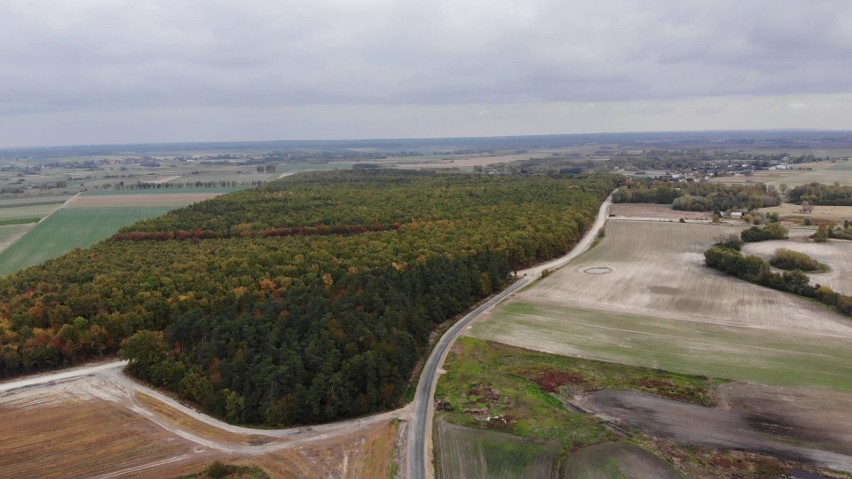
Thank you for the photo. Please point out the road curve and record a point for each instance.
(420, 433)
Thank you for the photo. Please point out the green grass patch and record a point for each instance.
(34, 203)
(70, 228)
(19, 221)
(495, 386)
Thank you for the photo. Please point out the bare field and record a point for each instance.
(723, 351)
(68, 438)
(368, 453)
(131, 200)
(104, 426)
(658, 270)
(837, 254)
(651, 211)
(763, 430)
(653, 303)
(835, 214)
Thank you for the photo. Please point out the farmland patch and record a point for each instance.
(607, 461)
(70, 228)
(476, 453)
(837, 254)
(725, 351)
(658, 270)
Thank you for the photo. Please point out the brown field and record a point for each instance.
(129, 200)
(67, 438)
(368, 453)
(658, 270)
(651, 211)
(835, 214)
(837, 254)
(104, 426)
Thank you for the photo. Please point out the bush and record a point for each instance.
(793, 260)
(768, 232)
(730, 241)
(808, 221)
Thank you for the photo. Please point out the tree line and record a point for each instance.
(820, 194)
(701, 196)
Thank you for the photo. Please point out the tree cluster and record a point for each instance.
(691, 196)
(755, 270)
(820, 194)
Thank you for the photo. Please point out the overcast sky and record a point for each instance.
(122, 71)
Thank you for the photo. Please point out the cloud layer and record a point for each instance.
(178, 58)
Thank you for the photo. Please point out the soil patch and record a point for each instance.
(604, 461)
(598, 270)
(762, 431)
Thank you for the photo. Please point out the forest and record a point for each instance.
(692, 196)
(305, 300)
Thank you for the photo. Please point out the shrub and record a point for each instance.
(730, 241)
(808, 221)
(768, 232)
(793, 260)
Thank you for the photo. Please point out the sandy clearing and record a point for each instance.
(663, 212)
(835, 253)
(658, 269)
(714, 428)
(126, 200)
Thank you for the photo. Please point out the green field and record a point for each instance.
(475, 453)
(30, 211)
(70, 228)
(724, 351)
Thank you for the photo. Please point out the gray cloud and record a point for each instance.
(113, 56)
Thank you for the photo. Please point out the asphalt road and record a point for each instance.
(420, 433)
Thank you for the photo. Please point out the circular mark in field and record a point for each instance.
(598, 270)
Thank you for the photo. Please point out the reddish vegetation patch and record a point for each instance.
(321, 230)
(551, 380)
(485, 392)
(674, 391)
